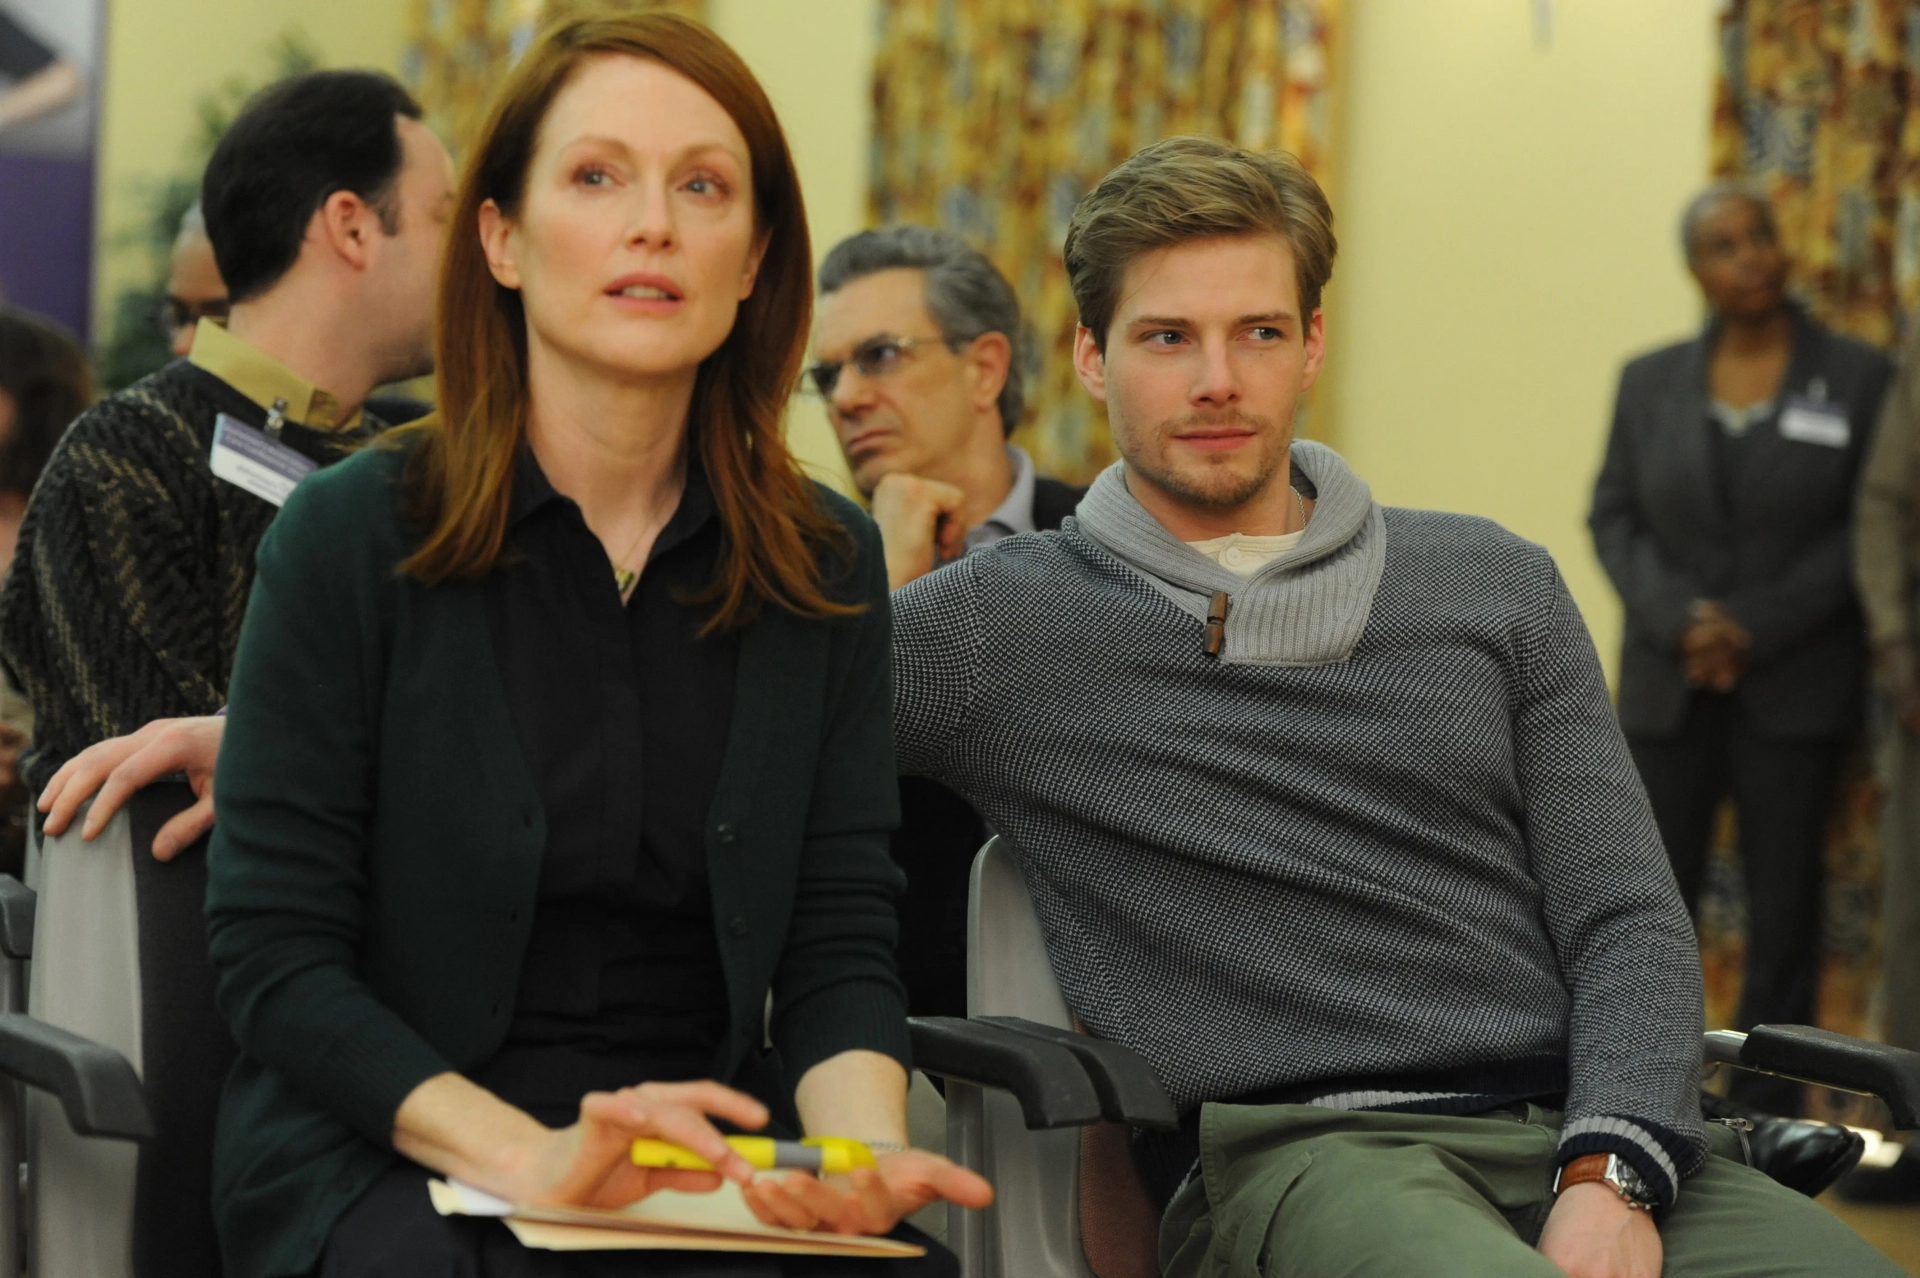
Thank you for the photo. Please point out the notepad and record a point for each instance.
(665, 1221)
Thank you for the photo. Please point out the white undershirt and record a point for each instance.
(1243, 555)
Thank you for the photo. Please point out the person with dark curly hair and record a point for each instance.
(45, 382)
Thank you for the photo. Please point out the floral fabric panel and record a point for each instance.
(459, 49)
(1816, 101)
(993, 117)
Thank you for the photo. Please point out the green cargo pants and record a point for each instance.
(1294, 1191)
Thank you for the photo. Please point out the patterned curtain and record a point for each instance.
(993, 117)
(459, 48)
(1818, 101)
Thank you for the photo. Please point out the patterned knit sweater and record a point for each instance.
(1389, 851)
(134, 563)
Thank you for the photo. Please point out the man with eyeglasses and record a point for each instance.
(918, 344)
(195, 290)
(918, 348)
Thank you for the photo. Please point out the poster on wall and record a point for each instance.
(49, 90)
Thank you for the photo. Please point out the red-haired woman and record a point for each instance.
(560, 731)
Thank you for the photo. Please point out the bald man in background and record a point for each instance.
(195, 290)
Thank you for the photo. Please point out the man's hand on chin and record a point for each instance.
(1592, 1233)
(916, 525)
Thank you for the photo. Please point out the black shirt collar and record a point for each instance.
(533, 491)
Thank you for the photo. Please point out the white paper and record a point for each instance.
(466, 1200)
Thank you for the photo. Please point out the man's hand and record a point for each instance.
(1714, 647)
(1592, 1233)
(109, 773)
(871, 1200)
(916, 525)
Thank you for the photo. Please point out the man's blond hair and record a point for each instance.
(1194, 188)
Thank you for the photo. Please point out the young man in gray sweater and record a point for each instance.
(1325, 810)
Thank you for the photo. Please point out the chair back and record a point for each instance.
(1086, 1175)
(120, 957)
(186, 1047)
(1008, 971)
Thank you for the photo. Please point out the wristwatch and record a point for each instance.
(1616, 1171)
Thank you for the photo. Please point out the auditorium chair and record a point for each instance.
(122, 1052)
(1042, 1111)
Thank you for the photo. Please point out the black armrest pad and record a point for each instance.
(1129, 1090)
(1835, 1060)
(95, 1084)
(16, 917)
(1046, 1078)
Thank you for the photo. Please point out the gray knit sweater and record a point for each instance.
(1387, 851)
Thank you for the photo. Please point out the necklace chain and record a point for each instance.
(624, 578)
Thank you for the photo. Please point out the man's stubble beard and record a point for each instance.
(1220, 486)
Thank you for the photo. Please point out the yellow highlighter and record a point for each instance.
(822, 1155)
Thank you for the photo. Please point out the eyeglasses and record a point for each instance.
(875, 357)
(175, 313)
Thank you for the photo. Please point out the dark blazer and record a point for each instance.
(372, 878)
(1779, 559)
(1053, 501)
(938, 837)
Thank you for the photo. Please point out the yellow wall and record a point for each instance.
(1505, 211)
(163, 56)
(816, 61)
(1507, 237)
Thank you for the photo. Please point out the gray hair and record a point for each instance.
(966, 294)
(1712, 198)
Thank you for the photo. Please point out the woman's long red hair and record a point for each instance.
(459, 477)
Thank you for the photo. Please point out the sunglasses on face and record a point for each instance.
(875, 357)
(175, 313)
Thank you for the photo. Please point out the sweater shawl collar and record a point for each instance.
(1306, 607)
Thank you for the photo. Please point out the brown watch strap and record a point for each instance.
(1581, 1170)
(1596, 1167)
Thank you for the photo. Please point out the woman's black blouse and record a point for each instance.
(622, 714)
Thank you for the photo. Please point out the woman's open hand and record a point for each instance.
(872, 1200)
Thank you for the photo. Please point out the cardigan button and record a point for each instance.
(723, 832)
(739, 925)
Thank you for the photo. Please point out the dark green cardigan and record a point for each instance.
(371, 879)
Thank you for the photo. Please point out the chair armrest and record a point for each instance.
(1129, 1090)
(1046, 1078)
(1829, 1060)
(17, 902)
(97, 1087)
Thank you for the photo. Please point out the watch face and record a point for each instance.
(1627, 1180)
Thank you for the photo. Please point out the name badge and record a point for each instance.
(246, 458)
(1815, 421)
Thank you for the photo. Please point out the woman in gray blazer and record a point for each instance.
(1722, 514)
